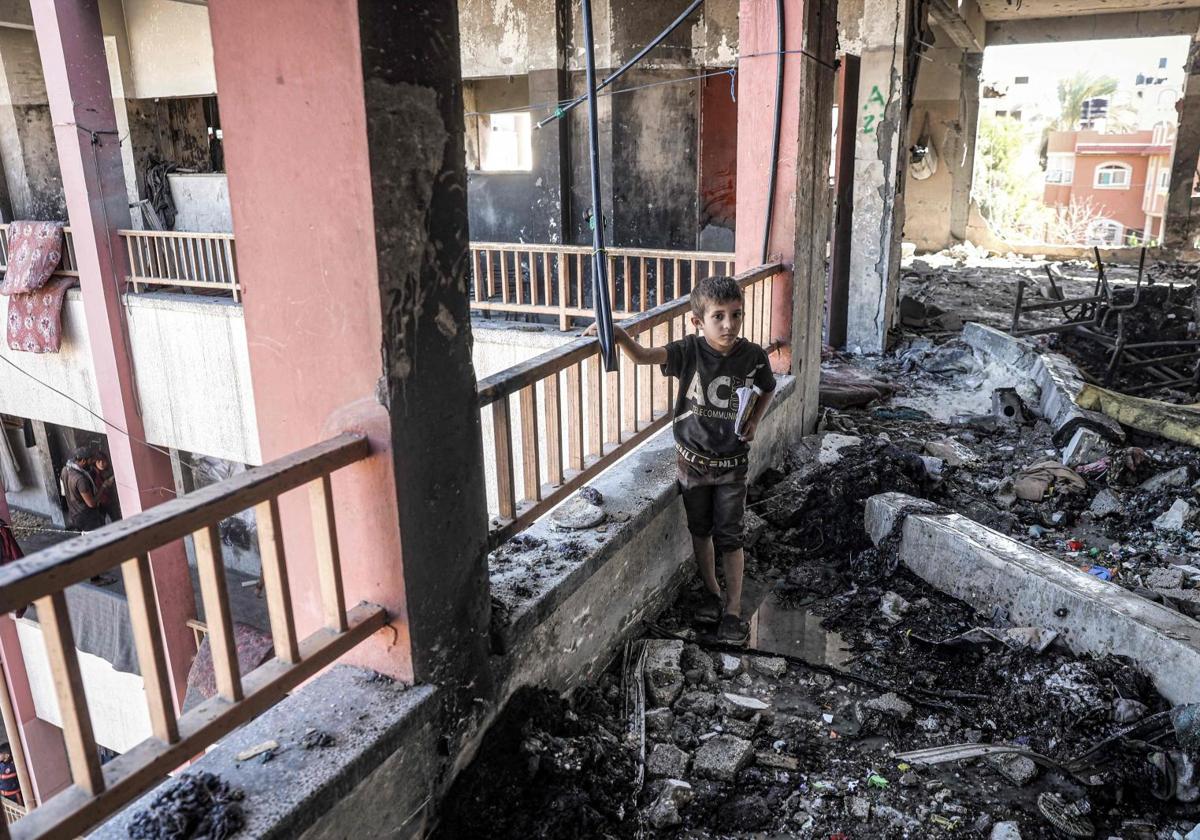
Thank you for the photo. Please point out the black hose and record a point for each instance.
(775, 131)
(559, 113)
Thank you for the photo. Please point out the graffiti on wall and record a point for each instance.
(873, 110)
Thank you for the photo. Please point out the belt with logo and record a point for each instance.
(711, 463)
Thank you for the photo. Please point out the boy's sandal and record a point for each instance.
(710, 609)
(734, 629)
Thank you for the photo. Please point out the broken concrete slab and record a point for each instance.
(1106, 503)
(741, 706)
(664, 813)
(770, 666)
(1018, 769)
(664, 673)
(987, 569)
(667, 761)
(722, 758)
(1168, 480)
(577, 513)
(951, 451)
(1005, 831)
(1085, 447)
(1057, 378)
(890, 704)
(1179, 517)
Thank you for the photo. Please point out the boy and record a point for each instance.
(712, 460)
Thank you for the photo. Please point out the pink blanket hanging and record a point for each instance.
(35, 295)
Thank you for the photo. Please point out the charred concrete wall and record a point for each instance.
(33, 186)
(935, 119)
(649, 137)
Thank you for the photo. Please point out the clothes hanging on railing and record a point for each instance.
(35, 295)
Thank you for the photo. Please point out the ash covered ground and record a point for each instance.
(854, 662)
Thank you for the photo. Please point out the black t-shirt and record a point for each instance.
(706, 405)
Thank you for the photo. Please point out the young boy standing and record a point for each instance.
(712, 459)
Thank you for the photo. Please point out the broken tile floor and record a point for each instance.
(854, 663)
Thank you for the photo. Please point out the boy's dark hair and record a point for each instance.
(714, 290)
(83, 453)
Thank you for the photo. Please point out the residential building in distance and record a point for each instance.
(1119, 182)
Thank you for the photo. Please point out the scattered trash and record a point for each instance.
(1070, 819)
(893, 607)
(257, 749)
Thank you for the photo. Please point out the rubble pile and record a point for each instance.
(550, 767)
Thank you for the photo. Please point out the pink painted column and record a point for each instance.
(300, 190)
(71, 45)
(757, 33)
(343, 134)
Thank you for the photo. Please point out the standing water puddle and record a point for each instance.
(796, 631)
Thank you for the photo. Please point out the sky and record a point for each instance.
(1045, 64)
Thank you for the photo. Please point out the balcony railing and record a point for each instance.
(557, 279)
(600, 416)
(202, 261)
(187, 260)
(41, 579)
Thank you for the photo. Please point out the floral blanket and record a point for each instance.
(35, 295)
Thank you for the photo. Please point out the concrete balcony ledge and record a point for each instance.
(570, 598)
(372, 780)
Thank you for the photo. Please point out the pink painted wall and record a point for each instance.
(291, 93)
(757, 33)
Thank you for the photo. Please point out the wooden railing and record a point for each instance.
(12, 811)
(557, 279)
(41, 579)
(562, 395)
(188, 260)
(205, 261)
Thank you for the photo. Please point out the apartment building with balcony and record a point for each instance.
(1122, 179)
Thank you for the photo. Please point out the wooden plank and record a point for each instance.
(73, 811)
(211, 566)
(86, 556)
(554, 443)
(502, 432)
(612, 403)
(152, 660)
(677, 279)
(275, 581)
(574, 418)
(564, 320)
(531, 467)
(55, 622)
(595, 438)
(631, 377)
(659, 281)
(329, 561)
(645, 383)
(642, 285)
(491, 280)
(627, 285)
(504, 276)
(547, 280)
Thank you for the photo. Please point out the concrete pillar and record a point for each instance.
(1179, 224)
(962, 164)
(33, 185)
(75, 63)
(879, 161)
(379, 339)
(551, 152)
(801, 209)
(842, 238)
(43, 457)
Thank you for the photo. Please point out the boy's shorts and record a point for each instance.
(715, 502)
